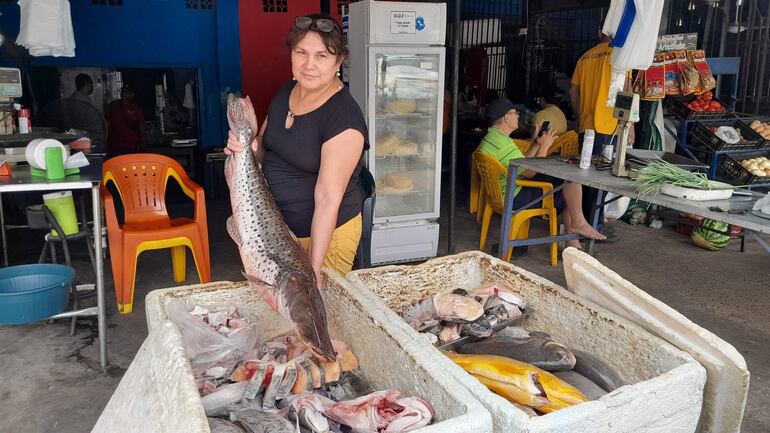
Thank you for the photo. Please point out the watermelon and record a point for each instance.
(708, 234)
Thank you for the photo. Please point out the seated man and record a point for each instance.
(498, 144)
(549, 111)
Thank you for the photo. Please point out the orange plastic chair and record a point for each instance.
(476, 199)
(490, 171)
(141, 181)
(566, 144)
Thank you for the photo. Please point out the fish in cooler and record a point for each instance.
(520, 382)
(540, 352)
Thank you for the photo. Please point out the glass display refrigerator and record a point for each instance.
(395, 71)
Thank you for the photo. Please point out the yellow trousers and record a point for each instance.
(342, 249)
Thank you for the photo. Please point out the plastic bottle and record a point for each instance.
(24, 125)
(588, 149)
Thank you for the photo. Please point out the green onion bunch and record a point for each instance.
(654, 175)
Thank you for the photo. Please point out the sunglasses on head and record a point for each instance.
(322, 24)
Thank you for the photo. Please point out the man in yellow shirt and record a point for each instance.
(589, 91)
(588, 95)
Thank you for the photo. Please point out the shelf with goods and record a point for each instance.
(405, 159)
(686, 130)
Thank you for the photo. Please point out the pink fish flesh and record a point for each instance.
(382, 411)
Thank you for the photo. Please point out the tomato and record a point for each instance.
(715, 104)
(709, 94)
(708, 98)
(711, 109)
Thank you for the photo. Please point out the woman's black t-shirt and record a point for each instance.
(293, 156)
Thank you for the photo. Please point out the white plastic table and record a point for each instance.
(731, 209)
(89, 178)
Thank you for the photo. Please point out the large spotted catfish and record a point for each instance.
(273, 260)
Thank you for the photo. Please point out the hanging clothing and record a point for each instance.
(634, 25)
(45, 28)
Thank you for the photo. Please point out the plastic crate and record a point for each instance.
(732, 171)
(675, 105)
(766, 143)
(750, 139)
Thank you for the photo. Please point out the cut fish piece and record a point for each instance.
(451, 307)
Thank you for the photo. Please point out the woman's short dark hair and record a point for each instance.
(333, 40)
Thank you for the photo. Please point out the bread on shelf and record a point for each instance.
(407, 147)
(386, 145)
(397, 182)
(401, 106)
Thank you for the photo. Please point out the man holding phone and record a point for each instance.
(498, 144)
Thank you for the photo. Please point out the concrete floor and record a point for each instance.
(53, 383)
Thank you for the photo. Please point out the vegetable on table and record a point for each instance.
(654, 175)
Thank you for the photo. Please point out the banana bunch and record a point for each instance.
(519, 382)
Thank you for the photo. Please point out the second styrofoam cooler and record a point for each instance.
(158, 393)
(664, 385)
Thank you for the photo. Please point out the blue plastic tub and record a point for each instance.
(29, 293)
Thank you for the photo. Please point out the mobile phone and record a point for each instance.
(544, 128)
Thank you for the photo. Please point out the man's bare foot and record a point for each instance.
(588, 232)
(574, 243)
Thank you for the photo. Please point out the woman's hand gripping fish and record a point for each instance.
(273, 260)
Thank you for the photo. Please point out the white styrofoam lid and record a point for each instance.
(724, 396)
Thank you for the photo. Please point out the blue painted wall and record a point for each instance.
(156, 33)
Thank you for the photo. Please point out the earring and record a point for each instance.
(294, 78)
(338, 73)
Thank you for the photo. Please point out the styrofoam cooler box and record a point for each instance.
(664, 385)
(158, 393)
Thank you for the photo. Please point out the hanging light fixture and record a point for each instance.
(679, 22)
(691, 6)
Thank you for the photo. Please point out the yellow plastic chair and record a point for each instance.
(490, 170)
(477, 198)
(566, 144)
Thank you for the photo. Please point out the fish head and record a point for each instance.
(560, 352)
(241, 118)
(301, 298)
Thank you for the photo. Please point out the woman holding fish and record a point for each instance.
(310, 147)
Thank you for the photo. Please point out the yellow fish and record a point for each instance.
(501, 369)
(520, 382)
(512, 393)
(560, 394)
